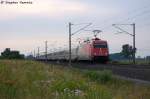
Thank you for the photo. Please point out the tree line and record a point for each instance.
(8, 54)
(126, 53)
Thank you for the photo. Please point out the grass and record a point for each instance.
(128, 62)
(99, 76)
(20, 79)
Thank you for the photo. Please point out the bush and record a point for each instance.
(100, 76)
(71, 85)
(8, 91)
(114, 62)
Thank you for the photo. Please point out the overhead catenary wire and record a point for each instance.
(106, 27)
(81, 29)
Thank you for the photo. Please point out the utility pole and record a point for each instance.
(70, 43)
(46, 51)
(134, 49)
(34, 54)
(71, 34)
(133, 35)
(38, 54)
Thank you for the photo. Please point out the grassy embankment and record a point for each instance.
(34, 80)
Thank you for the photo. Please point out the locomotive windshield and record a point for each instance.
(100, 46)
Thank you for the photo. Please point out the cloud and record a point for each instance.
(51, 8)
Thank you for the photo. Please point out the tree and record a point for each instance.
(128, 51)
(8, 54)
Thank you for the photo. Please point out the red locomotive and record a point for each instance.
(94, 50)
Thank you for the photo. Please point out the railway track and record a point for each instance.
(138, 72)
(142, 73)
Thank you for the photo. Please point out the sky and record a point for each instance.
(25, 27)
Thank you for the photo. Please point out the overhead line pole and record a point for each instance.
(134, 43)
(70, 43)
(71, 34)
(34, 55)
(133, 35)
(38, 54)
(46, 51)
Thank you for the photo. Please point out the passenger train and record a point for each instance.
(94, 50)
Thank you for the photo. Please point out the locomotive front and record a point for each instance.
(100, 51)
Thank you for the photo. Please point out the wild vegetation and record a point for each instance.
(21, 79)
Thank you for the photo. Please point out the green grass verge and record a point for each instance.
(21, 79)
(128, 62)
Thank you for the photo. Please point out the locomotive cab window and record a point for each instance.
(100, 46)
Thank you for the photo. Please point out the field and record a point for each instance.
(21, 79)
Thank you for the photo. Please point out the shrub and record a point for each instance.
(8, 90)
(100, 76)
(71, 85)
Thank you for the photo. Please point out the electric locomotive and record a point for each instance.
(93, 50)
